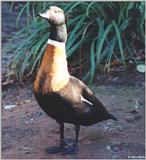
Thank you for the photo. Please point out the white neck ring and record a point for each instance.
(56, 43)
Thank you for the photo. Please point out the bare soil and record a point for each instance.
(27, 131)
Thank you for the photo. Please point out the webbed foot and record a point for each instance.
(65, 147)
(56, 149)
(71, 149)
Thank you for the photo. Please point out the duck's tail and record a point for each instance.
(110, 116)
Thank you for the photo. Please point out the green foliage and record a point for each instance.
(141, 68)
(100, 31)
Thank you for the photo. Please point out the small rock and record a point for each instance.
(25, 150)
(11, 116)
(31, 119)
(135, 107)
(9, 106)
(130, 119)
(114, 148)
(115, 79)
(120, 128)
(108, 148)
(28, 120)
(134, 111)
(137, 117)
(109, 126)
(38, 114)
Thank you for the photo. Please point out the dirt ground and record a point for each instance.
(27, 131)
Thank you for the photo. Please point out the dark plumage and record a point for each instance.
(62, 96)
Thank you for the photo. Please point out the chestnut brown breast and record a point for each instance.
(53, 73)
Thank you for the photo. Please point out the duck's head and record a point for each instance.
(54, 15)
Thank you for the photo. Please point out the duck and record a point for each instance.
(62, 96)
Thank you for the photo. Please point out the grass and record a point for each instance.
(100, 32)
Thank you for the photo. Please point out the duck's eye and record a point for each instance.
(56, 11)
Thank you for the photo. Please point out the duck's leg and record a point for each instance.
(61, 147)
(73, 148)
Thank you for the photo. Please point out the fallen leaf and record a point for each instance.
(23, 101)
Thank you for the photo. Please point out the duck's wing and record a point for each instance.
(89, 97)
(86, 93)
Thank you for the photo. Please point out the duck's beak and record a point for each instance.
(45, 15)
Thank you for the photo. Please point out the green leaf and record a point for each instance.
(119, 42)
(76, 28)
(130, 6)
(141, 68)
(101, 42)
(73, 6)
(11, 7)
(92, 60)
(76, 36)
(20, 14)
(89, 6)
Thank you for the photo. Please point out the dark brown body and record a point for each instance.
(66, 105)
